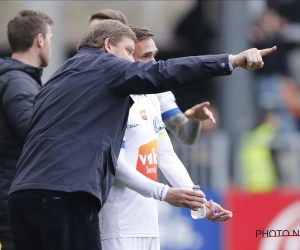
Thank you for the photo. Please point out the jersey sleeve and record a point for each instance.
(170, 165)
(168, 105)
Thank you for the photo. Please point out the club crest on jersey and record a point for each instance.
(143, 114)
(156, 124)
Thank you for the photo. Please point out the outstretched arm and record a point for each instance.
(156, 77)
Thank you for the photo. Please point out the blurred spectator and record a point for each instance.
(289, 10)
(269, 32)
(259, 170)
(273, 76)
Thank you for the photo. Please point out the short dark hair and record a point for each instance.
(24, 27)
(110, 14)
(96, 34)
(141, 32)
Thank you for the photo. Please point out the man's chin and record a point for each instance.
(44, 64)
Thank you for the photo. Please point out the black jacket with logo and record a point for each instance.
(19, 84)
(80, 116)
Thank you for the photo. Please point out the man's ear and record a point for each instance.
(108, 45)
(39, 40)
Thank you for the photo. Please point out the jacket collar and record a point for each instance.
(9, 64)
(88, 49)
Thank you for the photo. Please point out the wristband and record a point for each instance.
(163, 193)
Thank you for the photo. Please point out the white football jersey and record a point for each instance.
(126, 213)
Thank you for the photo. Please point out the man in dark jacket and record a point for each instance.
(185, 126)
(70, 157)
(29, 36)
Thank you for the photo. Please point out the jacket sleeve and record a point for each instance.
(124, 77)
(17, 102)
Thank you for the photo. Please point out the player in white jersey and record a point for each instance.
(129, 220)
(186, 127)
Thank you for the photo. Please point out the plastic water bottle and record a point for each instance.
(201, 211)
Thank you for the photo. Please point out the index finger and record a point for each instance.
(264, 52)
(211, 117)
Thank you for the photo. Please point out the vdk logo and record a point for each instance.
(147, 160)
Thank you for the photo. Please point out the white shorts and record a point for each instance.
(131, 243)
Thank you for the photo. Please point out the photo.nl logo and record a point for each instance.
(283, 233)
(276, 233)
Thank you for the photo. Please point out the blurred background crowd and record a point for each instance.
(255, 145)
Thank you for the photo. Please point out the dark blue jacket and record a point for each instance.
(81, 113)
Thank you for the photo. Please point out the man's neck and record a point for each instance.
(27, 57)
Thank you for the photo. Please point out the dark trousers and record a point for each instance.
(52, 220)
(6, 238)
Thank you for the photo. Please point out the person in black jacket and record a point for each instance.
(70, 157)
(29, 35)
